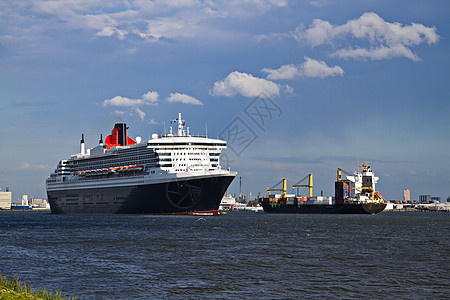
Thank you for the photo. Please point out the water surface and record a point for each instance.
(237, 255)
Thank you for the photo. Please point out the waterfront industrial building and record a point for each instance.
(5, 199)
(428, 199)
(424, 198)
(39, 203)
(24, 203)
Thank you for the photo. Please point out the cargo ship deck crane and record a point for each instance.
(309, 185)
(284, 189)
(339, 175)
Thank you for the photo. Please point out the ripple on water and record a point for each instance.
(238, 255)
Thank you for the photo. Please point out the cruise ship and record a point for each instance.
(175, 173)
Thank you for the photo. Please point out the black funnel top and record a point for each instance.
(121, 134)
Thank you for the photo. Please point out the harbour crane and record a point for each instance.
(309, 185)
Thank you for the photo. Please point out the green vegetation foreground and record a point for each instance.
(11, 289)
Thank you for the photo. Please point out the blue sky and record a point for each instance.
(309, 86)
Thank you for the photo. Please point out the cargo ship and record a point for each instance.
(168, 174)
(354, 195)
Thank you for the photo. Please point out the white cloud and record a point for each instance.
(28, 166)
(119, 115)
(178, 3)
(150, 98)
(288, 89)
(110, 31)
(387, 40)
(377, 53)
(118, 112)
(318, 3)
(277, 37)
(283, 72)
(244, 84)
(183, 98)
(315, 68)
(259, 4)
(140, 113)
(122, 101)
(310, 68)
(165, 27)
(149, 20)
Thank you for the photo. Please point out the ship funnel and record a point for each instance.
(118, 137)
(82, 149)
(101, 139)
(120, 130)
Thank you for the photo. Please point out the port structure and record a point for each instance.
(309, 185)
(273, 188)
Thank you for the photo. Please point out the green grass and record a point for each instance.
(12, 289)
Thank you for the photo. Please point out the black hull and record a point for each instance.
(189, 196)
(361, 208)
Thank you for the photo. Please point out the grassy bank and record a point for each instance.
(12, 289)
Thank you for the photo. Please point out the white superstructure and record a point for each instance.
(364, 181)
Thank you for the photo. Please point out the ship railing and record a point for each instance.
(191, 135)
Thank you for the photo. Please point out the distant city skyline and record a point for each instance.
(294, 87)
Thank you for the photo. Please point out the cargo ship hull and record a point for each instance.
(182, 196)
(346, 208)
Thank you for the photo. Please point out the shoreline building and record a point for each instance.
(39, 203)
(436, 199)
(5, 199)
(406, 195)
(425, 199)
(24, 201)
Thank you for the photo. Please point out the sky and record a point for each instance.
(295, 87)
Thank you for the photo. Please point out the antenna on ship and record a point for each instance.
(240, 187)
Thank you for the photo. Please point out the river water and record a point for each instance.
(238, 255)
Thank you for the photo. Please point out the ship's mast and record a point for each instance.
(180, 125)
